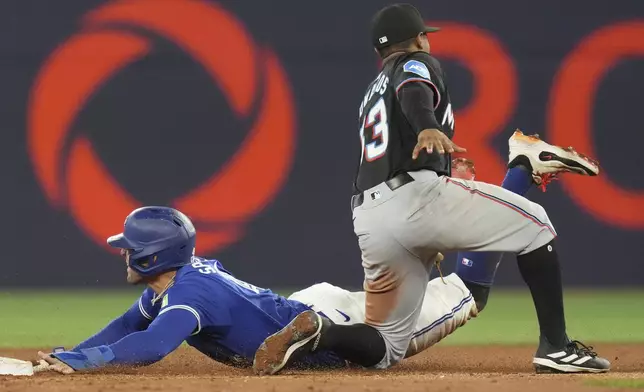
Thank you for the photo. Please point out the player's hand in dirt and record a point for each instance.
(55, 364)
(430, 139)
(40, 365)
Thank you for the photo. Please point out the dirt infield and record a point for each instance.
(489, 368)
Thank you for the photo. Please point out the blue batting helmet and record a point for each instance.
(158, 239)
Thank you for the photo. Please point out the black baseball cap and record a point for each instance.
(397, 23)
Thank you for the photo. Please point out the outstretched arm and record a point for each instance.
(162, 337)
(131, 321)
(417, 104)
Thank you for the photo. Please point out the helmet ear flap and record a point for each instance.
(145, 262)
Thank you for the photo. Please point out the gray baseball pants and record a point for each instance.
(401, 231)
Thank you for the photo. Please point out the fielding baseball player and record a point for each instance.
(406, 209)
(196, 300)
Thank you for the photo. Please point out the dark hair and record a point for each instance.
(399, 47)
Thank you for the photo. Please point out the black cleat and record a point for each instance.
(575, 357)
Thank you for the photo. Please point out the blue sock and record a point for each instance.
(518, 180)
(480, 267)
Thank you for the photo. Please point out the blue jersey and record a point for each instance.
(233, 317)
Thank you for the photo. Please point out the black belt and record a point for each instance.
(393, 184)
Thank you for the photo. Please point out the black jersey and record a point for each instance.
(387, 137)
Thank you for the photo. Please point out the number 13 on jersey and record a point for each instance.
(376, 119)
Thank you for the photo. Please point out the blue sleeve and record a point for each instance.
(131, 321)
(208, 302)
(163, 336)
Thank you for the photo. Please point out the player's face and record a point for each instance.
(132, 276)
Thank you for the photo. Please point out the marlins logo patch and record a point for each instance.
(415, 66)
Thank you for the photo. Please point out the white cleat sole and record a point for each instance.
(543, 365)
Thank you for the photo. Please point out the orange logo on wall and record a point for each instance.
(572, 100)
(569, 120)
(494, 92)
(80, 182)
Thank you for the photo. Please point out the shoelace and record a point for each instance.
(581, 348)
(437, 263)
(547, 179)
